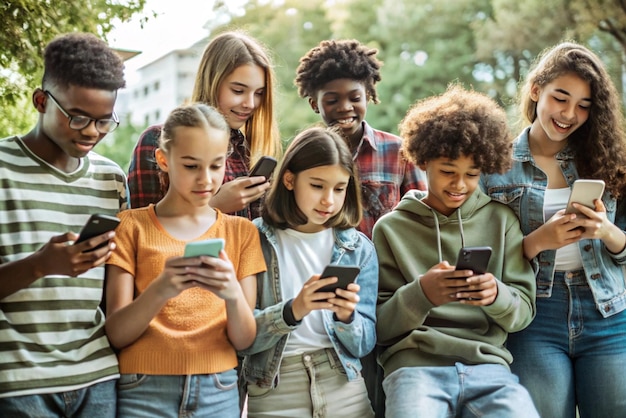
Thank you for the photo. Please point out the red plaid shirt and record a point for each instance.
(144, 186)
(385, 175)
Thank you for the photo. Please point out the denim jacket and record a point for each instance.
(350, 341)
(522, 188)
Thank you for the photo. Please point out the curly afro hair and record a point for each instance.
(458, 123)
(82, 59)
(331, 60)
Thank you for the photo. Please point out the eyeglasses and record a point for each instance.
(79, 122)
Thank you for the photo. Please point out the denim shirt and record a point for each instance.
(522, 188)
(350, 341)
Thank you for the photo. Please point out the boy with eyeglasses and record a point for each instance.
(55, 359)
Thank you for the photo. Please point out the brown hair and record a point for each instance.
(313, 147)
(599, 144)
(456, 123)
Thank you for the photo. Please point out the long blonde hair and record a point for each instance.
(225, 53)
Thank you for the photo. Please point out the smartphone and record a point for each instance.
(210, 247)
(585, 192)
(96, 225)
(473, 258)
(264, 167)
(344, 273)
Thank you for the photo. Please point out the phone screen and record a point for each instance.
(345, 275)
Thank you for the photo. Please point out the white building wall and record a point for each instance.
(161, 86)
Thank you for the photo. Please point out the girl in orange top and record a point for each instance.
(179, 321)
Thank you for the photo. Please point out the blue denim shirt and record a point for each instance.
(522, 188)
(350, 341)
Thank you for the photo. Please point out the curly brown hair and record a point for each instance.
(335, 59)
(599, 144)
(458, 123)
(82, 59)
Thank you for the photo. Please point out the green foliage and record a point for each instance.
(119, 144)
(424, 44)
(27, 26)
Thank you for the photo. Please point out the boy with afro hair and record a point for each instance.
(443, 331)
(339, 78)
(55, 359)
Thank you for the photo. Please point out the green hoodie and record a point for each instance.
(413, 238)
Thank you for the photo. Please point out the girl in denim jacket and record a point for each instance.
(572, 355)
(305, 359)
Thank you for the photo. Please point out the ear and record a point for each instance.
(289, 180)
(313, 104)
(534, 92)
(161, 159)
(39, 100)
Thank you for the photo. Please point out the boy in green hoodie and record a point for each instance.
(443, 331)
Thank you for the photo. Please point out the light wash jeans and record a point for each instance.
(199, 395)
(311, 385)
(486, 390)
(571, 355)
(93, 401)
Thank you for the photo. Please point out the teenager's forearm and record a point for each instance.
(241, 325)
(615, 240)
(127, 324)
(531, 245)
(18, 275)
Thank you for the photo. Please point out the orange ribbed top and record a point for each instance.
(188, 335)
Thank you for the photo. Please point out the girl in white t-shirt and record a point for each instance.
(305, 359)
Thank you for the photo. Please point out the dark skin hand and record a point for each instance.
(57, 256)
(443, 284)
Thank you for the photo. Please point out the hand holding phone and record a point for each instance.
(473, 258)
(97, 224)
(585, 192)
(210, 247)
(264, 167)
(344, 273)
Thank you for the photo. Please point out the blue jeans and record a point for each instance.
(570, 355)
(199, 395)
(97, 400)
(486, 390)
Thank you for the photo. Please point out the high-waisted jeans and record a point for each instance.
(570, 355)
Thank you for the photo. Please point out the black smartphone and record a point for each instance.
(264, 167)
(344, 273)
(473, 258)
(210, 247)
(96, 225)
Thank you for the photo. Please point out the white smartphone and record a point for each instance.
(584, 192)
(210, 247)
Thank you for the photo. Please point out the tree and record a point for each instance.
(27, 26)
(289, 29)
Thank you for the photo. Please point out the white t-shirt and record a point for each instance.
(300, 256)
(567, 257)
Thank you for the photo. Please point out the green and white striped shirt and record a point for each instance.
(52, 332)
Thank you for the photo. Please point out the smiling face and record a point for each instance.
(450, 182)
(195, 163)
(562, 107)
(319, 192)
(65, 141)
(342, 103)
(240, 94)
